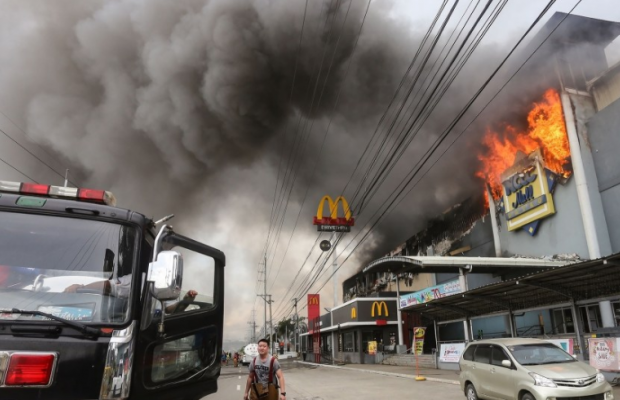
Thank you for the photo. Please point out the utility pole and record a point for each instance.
(267, 298)
(271, 325)
(296, 325)
(252, 324)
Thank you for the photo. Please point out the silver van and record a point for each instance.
(527, 369)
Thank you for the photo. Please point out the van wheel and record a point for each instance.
(471, 394)
(527, 396)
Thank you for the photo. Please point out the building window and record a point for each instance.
(591, 318)
(615, 305)
(563, 321)
(350, 341)
(392, 338)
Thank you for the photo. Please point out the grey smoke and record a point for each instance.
(184, 107)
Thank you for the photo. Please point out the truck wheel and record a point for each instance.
(527, 396)
(471, 394)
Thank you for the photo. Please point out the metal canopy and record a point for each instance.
(582, 281)
(482, 265)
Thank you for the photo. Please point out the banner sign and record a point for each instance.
(451, 352)
(418, 340)
(604, 353)
(334, 223)
(431, 293)
(314, 310)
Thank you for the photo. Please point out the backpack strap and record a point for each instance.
(253, 370)
(271, 369)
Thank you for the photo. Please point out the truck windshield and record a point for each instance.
(74, 268)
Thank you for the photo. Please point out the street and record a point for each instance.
(316, 383)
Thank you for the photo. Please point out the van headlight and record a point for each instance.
(600, 377)
(540, 380)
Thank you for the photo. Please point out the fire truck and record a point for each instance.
(100, 302)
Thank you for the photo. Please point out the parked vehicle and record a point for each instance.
(527, 369)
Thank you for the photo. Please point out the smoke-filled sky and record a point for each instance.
(199, 108)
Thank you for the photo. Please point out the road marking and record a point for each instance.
(238, 387)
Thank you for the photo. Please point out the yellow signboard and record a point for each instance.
(418, 340)
(527, 197)
(372, 347)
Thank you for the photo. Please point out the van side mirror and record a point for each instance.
(506, 363)
(166, 274)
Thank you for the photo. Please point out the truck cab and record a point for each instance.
(99, 302)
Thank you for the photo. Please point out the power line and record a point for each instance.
(447, 131)
(320, 151)
(304, 138)
(461, 114)
(1, 159)
(34, 155)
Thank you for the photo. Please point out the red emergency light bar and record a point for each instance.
(80, 194)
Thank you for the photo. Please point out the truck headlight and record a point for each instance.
(609, 395)
(600, 377)
(540, 380)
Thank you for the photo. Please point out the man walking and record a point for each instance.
(260, 378)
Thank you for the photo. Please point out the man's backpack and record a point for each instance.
(258, 391)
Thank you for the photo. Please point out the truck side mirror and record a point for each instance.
(166, 274)
(506, 363)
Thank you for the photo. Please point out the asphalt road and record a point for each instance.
(312, 383)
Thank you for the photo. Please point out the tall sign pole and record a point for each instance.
(333, 223)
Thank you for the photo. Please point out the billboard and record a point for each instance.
(431, 293)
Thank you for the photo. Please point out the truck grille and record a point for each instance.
(579, 382)
(593, 397)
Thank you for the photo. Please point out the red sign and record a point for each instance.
(314, 310)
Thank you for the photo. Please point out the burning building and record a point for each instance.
(548, 197)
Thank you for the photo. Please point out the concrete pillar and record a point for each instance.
(467, 330)
(607, 314)
(578, 330)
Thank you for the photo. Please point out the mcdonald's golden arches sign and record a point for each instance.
(334, 223)
(378, 306)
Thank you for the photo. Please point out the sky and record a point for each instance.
(211, 109)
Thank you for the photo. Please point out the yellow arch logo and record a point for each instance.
(353, 313)
(378, 306)
(333, 218)
(313, 301)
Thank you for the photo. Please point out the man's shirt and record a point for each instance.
(261, 369)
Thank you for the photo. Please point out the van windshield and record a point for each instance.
(538, 354)
(59, 265)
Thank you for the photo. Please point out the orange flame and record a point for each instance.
(546, 130)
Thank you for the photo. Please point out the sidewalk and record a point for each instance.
(431, 374)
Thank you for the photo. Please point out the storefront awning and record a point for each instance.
(483, 265)
(588, 280)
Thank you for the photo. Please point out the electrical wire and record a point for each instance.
(461, 114)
